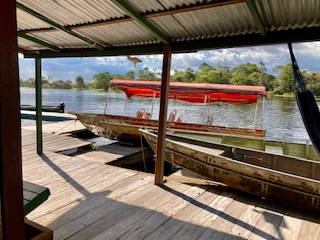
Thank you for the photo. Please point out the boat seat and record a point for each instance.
(146, 115)
(172, 115)
(140, 113)
(179, 120)
(274, 149)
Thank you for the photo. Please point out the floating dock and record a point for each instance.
(90, 199)
(47, 116)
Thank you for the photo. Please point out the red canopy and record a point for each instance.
(192, 92)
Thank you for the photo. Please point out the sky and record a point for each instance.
(307, 55)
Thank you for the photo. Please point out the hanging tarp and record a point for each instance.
(196, 93)
(307, 104)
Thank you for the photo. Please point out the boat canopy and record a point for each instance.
(197, 93)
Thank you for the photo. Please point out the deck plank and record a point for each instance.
(166, 201)
(125, 213)
(195, 217)
(268, 224)
(92, 200)
(310, 227)
(221, 226)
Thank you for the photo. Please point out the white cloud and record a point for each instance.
(309, 49)
(307, 54)
(113, 61)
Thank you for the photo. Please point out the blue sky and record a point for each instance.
(307, 55)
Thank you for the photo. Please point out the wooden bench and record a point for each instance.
(274, 149)
(33, 196)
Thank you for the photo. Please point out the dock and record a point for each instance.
(94, 200)
(47, 116)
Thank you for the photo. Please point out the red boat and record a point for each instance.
(126, 128)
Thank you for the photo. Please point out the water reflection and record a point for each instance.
(281, 118)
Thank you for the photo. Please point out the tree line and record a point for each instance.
(244, 74)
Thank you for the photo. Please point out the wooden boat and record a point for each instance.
(288, 180)
(45, 108)
(294, 149)
(127, 128)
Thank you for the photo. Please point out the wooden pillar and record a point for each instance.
(39, 105)
(12, 218)
(163, 114)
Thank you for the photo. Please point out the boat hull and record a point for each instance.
(292, 181)
(127, 128)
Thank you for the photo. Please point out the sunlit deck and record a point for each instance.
(92, 200)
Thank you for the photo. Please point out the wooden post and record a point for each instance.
(12, 217)
(163, 114)
(39, 105)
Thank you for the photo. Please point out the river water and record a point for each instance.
(281, 116)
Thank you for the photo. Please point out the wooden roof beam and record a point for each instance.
(39, 41)
(142, 21)
(58, 26)
(256, 16)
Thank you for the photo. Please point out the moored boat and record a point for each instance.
(45, 108)
(294, 149)
(289, 180)
(127, 127)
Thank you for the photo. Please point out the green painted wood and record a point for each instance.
(58, 26)
(39, 41)
(142, 21)
(39, 105)
(33, 196)
(256, 16)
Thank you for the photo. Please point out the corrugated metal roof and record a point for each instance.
(98, 24)
(122, 34)
(70, 12)
(27, 21)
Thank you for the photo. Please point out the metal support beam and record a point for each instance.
(58, 26)
(39, 105)
(255, 39)
(11, 193)
(256, 16)
(163, 114)
(142, 21)
(39, 41)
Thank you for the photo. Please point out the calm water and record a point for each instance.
(281, 116)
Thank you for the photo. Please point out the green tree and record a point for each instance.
(313, 82)
(248, 74)
(80, 85)
(118, 76)
(284, 83)
(146, 74)
(102, 80)
(31, 82)
(187, 75)
(68, 84)
(210, 74)
(177, 76)
(130, 75)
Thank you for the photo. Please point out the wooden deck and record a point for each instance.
(92, 200)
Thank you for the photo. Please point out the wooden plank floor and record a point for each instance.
(92, 200)
(51, 142)
(61, 127)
